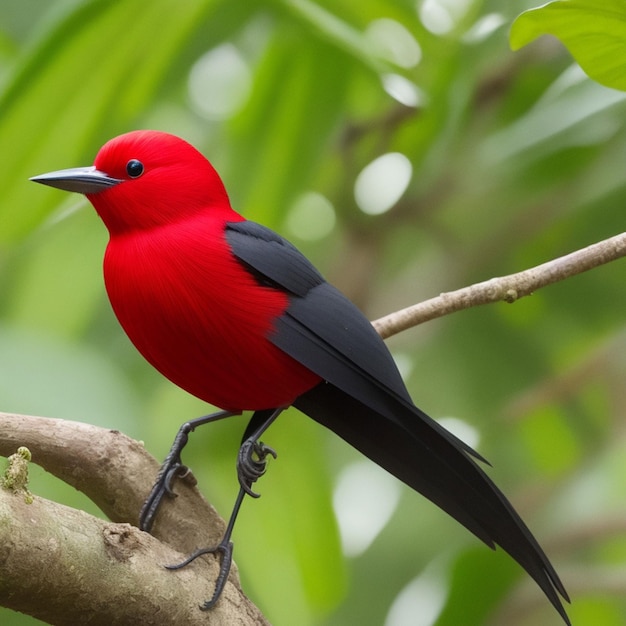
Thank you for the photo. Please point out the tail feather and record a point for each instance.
(441, 470)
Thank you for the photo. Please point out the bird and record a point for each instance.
(234, 314)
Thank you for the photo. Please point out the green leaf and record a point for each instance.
(594, 33)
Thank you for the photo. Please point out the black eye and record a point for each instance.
(134, 168)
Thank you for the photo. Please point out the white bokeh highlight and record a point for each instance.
(219, 83)
(364, 500)
(461, 429)
(402, 90)
(421, 600)
(441, 17)
(393, 42)
(381, 183)
(484, 27)
(312, 216)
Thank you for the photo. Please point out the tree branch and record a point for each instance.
(87, 562)
(505, 288)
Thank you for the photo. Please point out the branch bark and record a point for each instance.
(504, 288)
(66, 567)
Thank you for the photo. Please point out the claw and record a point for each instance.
(162, 487)
(225, 548)
(173, 468)
(249, 468)
(177, 470)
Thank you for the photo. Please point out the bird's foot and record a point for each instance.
(252, 463)
(225, 549)
(173, 468)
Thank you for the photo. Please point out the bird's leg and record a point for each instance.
(251, 465)
(172, 468)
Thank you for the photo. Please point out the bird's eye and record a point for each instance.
(134, 168)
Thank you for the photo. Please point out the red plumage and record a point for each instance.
(199, 318)
(184, 300)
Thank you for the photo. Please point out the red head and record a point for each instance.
(145, 179)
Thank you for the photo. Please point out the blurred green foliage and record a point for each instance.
(515, 158)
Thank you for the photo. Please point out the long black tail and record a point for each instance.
(439, 467)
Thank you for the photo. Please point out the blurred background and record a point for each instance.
(407, 151)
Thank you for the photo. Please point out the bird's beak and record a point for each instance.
(86, 180)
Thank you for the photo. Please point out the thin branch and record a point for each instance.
(505, 288)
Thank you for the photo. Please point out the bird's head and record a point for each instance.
(145, 179)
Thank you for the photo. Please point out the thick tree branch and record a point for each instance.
(96, 572)
(79, 565)
(115, 472)
(505, 288)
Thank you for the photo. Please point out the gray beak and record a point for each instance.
(85, 180)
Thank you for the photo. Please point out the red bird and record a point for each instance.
(237, 316)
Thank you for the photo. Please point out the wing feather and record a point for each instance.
(365, 401)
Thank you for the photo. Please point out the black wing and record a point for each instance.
(365, 401)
